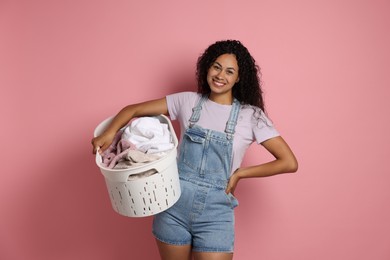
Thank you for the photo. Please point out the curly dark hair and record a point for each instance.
(248, 89)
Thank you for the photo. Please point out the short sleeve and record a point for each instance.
(173, 103)
(180, 104)
(262, 127)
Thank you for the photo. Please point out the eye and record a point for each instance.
(230, 72)
(216, 67)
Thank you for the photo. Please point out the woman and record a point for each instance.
(218, 123)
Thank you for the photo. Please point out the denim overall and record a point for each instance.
(203, 216)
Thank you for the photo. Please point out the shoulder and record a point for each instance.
(181, 103)
(261, 126)
(255, 115)
(187, 95)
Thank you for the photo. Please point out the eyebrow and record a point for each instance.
(222, 66)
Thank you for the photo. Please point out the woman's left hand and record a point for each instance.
(233, 181)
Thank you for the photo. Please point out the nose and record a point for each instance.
(220, 74)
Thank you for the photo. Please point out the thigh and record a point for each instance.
(173, 225)
(212, 256)
(213, 231)
(174, 252)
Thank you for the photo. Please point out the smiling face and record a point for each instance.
(221, 77)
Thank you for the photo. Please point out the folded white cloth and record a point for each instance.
(149, 135)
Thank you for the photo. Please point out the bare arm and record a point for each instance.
(285, 162)
(149, 108)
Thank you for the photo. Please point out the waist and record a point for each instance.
(205, 182)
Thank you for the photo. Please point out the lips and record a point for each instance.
(218, 84)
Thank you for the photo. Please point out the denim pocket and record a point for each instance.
(192, 151)
(232, 200)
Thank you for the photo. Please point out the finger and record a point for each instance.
(96, 148)
(228, 189)
(93, 146)
(103, 147)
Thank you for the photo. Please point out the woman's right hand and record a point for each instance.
(102, 142)
(149, 108)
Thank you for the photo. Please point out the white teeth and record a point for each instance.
(219, 83)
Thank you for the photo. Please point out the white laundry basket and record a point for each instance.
(143, 196)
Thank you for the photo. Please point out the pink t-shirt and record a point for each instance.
(250, 126)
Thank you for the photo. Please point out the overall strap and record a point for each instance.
(196, 111)
(231, 123)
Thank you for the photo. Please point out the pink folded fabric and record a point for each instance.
(131, 157)
(116, 150)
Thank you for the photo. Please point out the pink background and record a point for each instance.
(67, 65)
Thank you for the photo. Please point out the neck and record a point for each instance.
(221, 99)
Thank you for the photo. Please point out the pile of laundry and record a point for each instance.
(144, 140)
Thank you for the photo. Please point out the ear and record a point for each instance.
(238, 79)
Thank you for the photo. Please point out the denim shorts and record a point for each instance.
(203, 217)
